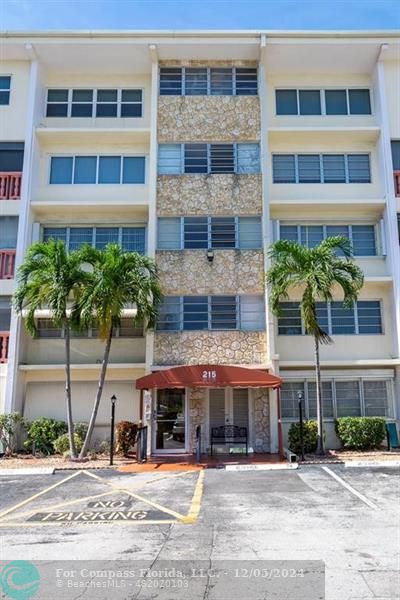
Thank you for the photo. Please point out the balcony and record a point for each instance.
(4, 340)
(396, 175)
(10, 185)
(7, 264)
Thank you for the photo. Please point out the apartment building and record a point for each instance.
(200, 149)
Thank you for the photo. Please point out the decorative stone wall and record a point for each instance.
(219, 194)
(215, 347)
(208, 119)
(262, 442)
(185, 272)
(197, 412)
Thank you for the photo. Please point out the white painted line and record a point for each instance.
(266, 467)
(350, 488)
(372, 463)
(28, 471)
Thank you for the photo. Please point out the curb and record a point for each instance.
(29, 471)
(372, 463)
(261, 467)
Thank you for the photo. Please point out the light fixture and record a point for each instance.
(210, 255)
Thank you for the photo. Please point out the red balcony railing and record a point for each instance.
(4, 339)
(10, 185)
(397, 183)
(7, 264)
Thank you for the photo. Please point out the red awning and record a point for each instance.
(208, 376)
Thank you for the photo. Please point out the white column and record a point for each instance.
(14, 386)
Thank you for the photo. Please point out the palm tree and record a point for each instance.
(50, 278)
(117, 279)
(316, 272)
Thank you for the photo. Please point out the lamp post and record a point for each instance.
(113, 401)
(300, 399)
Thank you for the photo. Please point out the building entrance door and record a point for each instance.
(169, 421)
(228, 406)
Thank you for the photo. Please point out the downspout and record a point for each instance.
(280, 432)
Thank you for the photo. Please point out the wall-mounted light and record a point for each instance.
(210, 255)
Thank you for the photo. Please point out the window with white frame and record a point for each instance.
(178, 233)
(98, 103)
(178, 159)
(340, 398)
(97, 170)
(206, 81)
(195, 313)
(131, 239)
(127, 329)
(5, 89)
(362, 237)
(351, 101)
(364, 317)
(321, 168)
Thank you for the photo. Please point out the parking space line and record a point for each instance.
(351, 489)
(45, 491)
(195, 505)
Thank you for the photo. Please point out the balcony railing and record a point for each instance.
(10, 185)
(397, 183)
(7, 264)
(4, 339)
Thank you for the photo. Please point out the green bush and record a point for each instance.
(310, 433)
(81, 430)
(61, 444)
(360, 433)
(10, 425)
(42, 433)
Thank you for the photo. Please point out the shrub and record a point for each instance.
(81, 430)
(126, 436)
(360, 433)
(42, 433)
(61, 444)
(310, 434)
(104, 447)
(9, 425)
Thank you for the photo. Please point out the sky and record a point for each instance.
(198, 14)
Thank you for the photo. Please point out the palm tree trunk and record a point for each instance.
(320, 439)
(68, 401)
(96, 404)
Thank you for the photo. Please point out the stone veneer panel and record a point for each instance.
(208, 119)
(214, 347)
(262, 442)
(185, 272)
(219, 194)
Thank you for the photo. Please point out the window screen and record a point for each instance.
(376, 400)
(221, 83)
(196, 158)
(369, 316)
(61, 169)
(169, 159)
(359, 169)
(289, 321)
(169, 233)
(284, 168)
(223, 312)
(134, 169)
(334, 168)
(79, 236)
(248, 158)
(223, 232)
(246, 82)
(310, 102)
(85, 169)
(309, 168)
(195, 232)
(109, 169)
(250, 234)
(363, 237)
(169, 314)
(252, 313)
(170, 82)
(327, 399)
(289, 399)
(286, 102)
(195, 82)
(359, 102)
(195, 312)
(343, 321)
(336, 102)
(348, 399)
(8, 232)
(106, 235)
(222, 158)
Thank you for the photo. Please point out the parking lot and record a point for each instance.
(347, 518)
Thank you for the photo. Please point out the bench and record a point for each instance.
(228, 434)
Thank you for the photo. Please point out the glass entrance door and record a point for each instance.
(170, 421)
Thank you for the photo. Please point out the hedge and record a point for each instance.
(360, 433)
(310, 435)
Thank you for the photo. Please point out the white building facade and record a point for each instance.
(200, 149)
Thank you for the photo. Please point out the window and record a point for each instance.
(97, 169)
(348, 401)
(5, 313)
(340, 398)
(5, 87)
(11, 156)
(8, 232)
(98, 102)
(364, 317)
(325, 168)
(196, 313)
(127, 328)
(214, 81)
(57, 103)
(310, 102)
(132, 239)
(335, 102)
(376, 398)
(395, 147)
(362, 236)
(176, 159)
(289, 322)
(177, 233)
